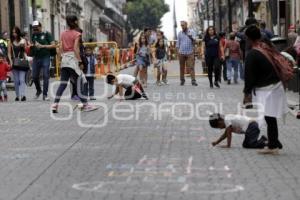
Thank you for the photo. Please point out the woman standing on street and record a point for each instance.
(16, 49)
(235, 56)
(262, 81)
(211, 52)
(142, 60)
(71, 64)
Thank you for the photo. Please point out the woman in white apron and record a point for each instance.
(262, 82)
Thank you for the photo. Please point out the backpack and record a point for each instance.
(282, 66)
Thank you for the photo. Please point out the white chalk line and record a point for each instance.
(196, 188)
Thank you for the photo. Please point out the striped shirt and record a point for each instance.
(184, 43)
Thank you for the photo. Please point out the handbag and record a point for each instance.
(21, 64)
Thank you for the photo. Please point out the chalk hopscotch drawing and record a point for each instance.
(155, 176)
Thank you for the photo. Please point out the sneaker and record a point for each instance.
(75, 98)
(23, 98)
(165, 82)
(17, 99)
(89, 108)
(269, 151)
(217, 84)
(5, 98)
(145, 97)
(194, 84)
(228, 82)
(93, 99)
(264, 138)
(37, 95)
(236, 82)
(1, 99)
(211, 85)
(46, 98)
(54, 108)
(182, 83)
(158, 83)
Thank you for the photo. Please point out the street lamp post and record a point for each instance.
(220, 14)
(229, 16)
(214, 13)
(207, 12)
(250, 9)
(108, 28)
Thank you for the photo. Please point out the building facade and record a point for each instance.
(101, 20)
(229, 15)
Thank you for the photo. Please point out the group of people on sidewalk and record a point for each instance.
(77, 61)
(16, 52)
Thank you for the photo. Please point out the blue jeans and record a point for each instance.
(3, 87)
(251, 140)
(19, 81)
(38, 65)
(232, 63)
(242, 71)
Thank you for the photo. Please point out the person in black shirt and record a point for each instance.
(211, 44)
(262, 81)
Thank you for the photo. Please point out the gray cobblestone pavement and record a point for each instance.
(148, 159)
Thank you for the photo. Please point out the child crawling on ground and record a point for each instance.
(240, 125)
(133, 88)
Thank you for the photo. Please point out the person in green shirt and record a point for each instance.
(42, 49)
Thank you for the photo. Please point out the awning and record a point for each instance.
(106, 19)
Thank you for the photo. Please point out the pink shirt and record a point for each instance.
(68, 38)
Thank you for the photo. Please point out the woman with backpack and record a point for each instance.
(264, 82)
(234, 52)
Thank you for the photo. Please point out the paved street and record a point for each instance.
(160, 152)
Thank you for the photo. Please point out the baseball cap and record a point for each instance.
(36, 23)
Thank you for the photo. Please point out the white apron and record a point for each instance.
(273, 100)
(69, 60)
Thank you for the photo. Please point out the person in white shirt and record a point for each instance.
(240, 125)
(133, 88)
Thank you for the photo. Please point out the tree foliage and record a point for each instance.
(144, 13)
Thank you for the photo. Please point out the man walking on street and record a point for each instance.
(43, 45)
(185, 47)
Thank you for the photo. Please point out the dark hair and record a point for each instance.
(207, 32)
(140, 40)
(18, 32)
(157, 44)
(71, 21)
(214, 120)
(232, 36)
(263, 25)
(292, 51)
(110, 78)
(79, 30)
(222, 34)
(253, 33)
(251, 21)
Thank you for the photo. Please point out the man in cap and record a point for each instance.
(43, 46)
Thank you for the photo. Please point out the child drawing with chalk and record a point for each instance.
(133, 88)
(240, 125)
